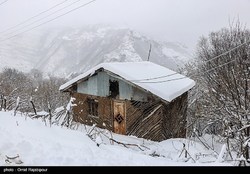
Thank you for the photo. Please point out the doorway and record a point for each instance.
(119, 117)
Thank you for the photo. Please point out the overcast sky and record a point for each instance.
(170, 20)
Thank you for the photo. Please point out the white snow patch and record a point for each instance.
(222, 153)
(38, 145)
(42, 113)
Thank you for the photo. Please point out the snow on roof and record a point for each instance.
(157, 79)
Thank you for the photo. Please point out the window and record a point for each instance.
(93, 107)
(113, 88)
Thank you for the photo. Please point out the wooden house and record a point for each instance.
(132, 98)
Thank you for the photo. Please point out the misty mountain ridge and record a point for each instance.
(66, 51)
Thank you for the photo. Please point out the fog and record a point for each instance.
(169, 20)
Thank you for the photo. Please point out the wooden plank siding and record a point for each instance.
(144, 119)
(80, 111)
(155, 120)
(174, 118)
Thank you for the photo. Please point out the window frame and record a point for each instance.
(93, 107)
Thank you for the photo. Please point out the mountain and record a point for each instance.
(64, 51)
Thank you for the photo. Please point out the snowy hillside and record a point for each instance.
(38, 145)
(64, 51)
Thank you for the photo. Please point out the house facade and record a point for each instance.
(132, 98)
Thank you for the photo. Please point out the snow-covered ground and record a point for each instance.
(38, 144)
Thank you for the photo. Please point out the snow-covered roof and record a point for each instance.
(154, 78)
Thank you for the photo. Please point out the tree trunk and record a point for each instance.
(33, 106)
(247, 147)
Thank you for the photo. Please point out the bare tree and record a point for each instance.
(14, 84)
(44, 92)
(223, 64)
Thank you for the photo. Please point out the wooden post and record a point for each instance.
(50, 115)
(4, 103)
(247, 147)
(1, 98)
(149, 52)
(33, 106)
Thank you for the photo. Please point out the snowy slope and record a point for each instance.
(40, 145)
(61, 51)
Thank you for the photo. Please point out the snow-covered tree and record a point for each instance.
(14, 84)
(18, 86)
(46, 93)
(223, 76)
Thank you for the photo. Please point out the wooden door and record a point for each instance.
(119, 117)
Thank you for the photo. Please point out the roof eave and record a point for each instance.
(66, 88)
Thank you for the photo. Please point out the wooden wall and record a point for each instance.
(80, 112)
(154, 120)
(157, 120)
(174, 118)
(144, 119)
